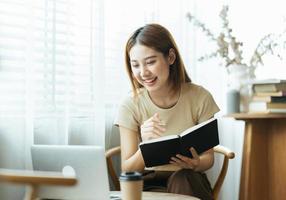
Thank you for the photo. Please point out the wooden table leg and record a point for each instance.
(263, 172)
(254, 171)
(276, 159)
(31, 192)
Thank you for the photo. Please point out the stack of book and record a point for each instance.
(269, 96)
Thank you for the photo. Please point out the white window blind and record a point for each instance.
(49, 60)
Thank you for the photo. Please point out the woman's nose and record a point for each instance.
(143, 71)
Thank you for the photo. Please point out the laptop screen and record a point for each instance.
(89, 165)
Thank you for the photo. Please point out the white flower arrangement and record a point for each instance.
(229, 48)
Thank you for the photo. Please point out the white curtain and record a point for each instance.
(51, 66)
(51, 77)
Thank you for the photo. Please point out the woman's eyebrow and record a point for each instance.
(146, 58)
(154, 56)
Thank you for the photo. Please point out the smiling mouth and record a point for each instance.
(150, 81)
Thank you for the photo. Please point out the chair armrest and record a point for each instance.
(225, 151)
(228, 154)
(108, 155)
(113, 151)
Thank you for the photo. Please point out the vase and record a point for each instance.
(232, 101)
(239, 82)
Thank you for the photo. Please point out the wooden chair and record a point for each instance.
(228, 154)
(34, 179)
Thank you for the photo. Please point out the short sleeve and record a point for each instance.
(126, 115)
(208, 107)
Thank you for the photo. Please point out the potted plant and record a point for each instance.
(229, 49)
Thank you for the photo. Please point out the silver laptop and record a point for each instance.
(88, 163)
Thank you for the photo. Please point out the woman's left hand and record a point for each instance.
(186, 162)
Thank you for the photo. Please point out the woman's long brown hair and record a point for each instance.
(160, 39)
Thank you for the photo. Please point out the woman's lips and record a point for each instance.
(150, 81)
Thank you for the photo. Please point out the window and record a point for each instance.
(51, 64)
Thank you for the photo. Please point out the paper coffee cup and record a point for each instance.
(131, 184)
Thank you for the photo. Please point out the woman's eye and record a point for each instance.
(150, 62)
(135, 66)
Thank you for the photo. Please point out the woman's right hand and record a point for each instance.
(152, 128)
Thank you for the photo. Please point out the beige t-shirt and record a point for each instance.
(194, 106)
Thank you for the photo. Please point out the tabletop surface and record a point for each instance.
(243, 116)
(36, 177)
(161, 196)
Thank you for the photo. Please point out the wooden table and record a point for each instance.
(35, 179)
(160, 196)
(263, 170)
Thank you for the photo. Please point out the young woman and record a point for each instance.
(164, 101)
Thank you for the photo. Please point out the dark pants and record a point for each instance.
(184, 181)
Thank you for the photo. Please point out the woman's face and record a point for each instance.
(150, 68)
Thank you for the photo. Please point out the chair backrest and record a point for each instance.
(228, 154)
